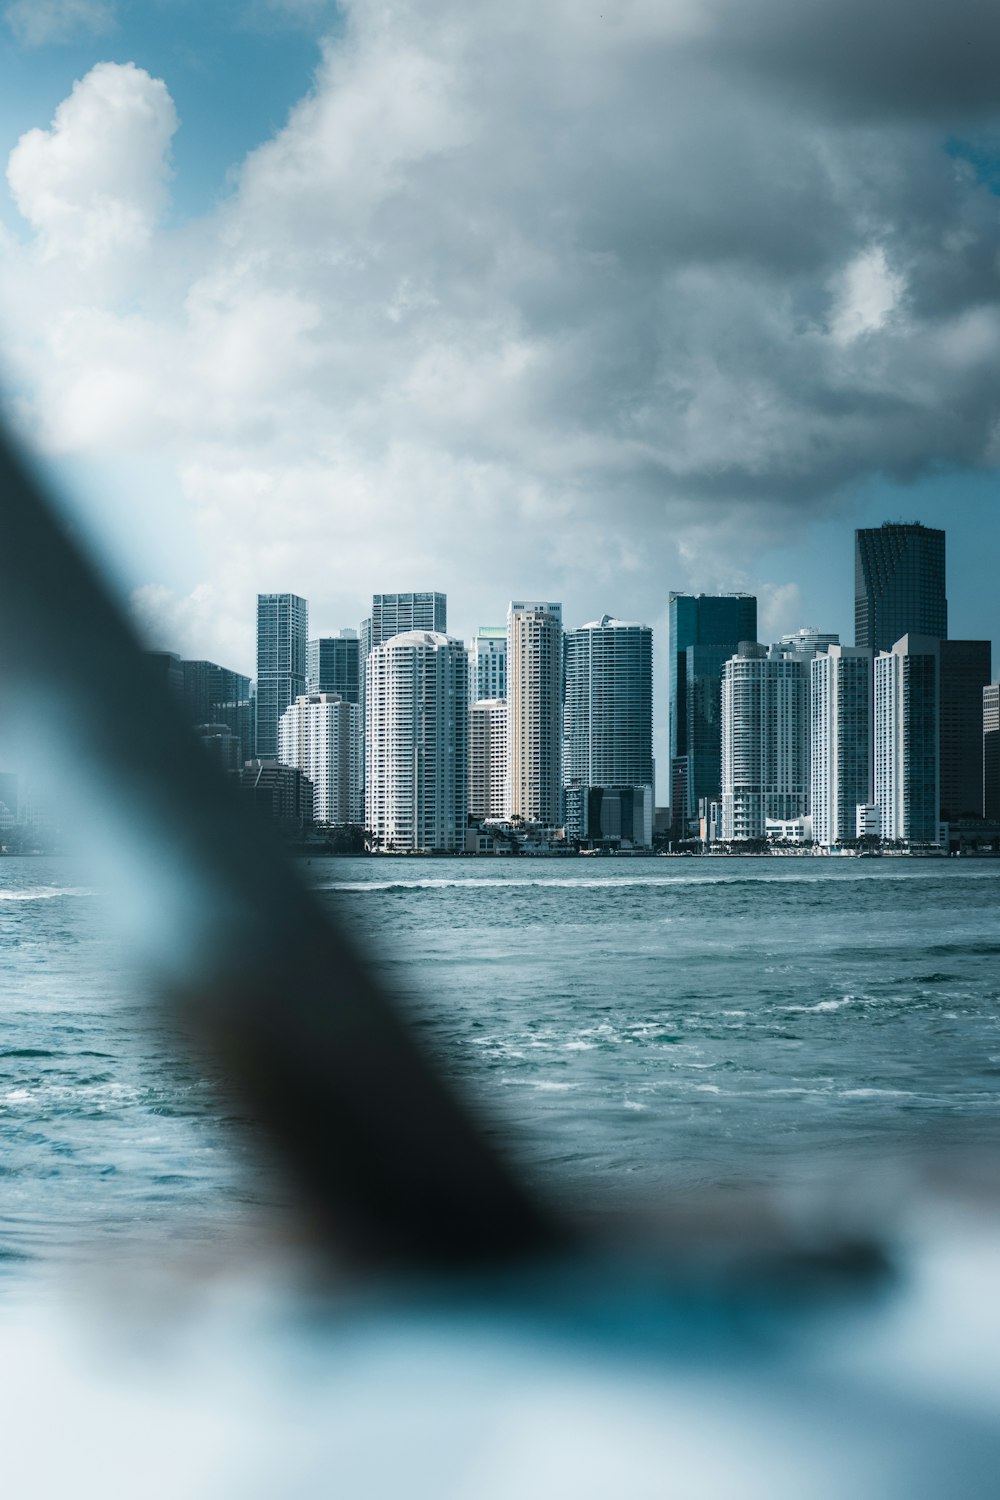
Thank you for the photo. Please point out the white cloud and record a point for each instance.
(518, 299)
(38, 22)
(866, 292)
(94, 183)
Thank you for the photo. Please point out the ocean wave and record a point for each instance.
(44, 893)
(609, 882)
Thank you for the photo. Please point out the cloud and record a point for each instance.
(36, 23)
(526, 298)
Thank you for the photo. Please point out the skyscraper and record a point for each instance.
(841, 686)
(320, 734)
(488, 663)
(205, 686)
(608, 718)
(534, 706)
(333, 665)
(705, 631)
(899, 584)
(991, 752)
(488, 758)
(392, 614)
(765, 740)
(965, 672)
(282, 628)
(907, 739)
(416, 750)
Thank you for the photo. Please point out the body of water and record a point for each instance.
(637, 1026)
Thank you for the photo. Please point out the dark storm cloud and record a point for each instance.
(871, 58)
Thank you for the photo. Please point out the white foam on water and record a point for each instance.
(44, 893)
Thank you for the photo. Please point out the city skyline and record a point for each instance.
(692, 383)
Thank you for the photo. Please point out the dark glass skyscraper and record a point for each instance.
(899, 584)
(965, 672)
(282, 628)
(334, 665)
(705, 631)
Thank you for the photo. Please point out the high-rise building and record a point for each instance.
(334, 665)
(899, 584)
(608, 716)
(488, 759)
(907, 739)
(765, 740)
(204, 685)
(416, 742)
(705, 631)
(282, 629)
(224, 746)
(393, 614)
(808, 641)
(488, 664)
(965, 672)
(282, 793)
(841, 686)
(319, 733)
(534, 708)
(991, 752)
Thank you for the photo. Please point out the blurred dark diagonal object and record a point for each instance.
(389, 1159)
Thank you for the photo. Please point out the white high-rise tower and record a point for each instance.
(765, 740)
(320, 734)
(841, 741)
(416, 742)
(534, 709)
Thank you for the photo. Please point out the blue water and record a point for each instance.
(640, 1026)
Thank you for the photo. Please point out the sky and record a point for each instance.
(573, 299)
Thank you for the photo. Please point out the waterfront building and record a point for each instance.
(617, 815)
(705, 631)
(168, 670)
(333, 665)
(488, 664)
(416, 744)
(283, 794)
(488, 759)
(204, 685)
(320, 734)
(907, 739)
(534, 706)
(841, 686)
(224, 746)
(395, 614)
(868, 821)
(899, 584)
(765, 740)
(965, 673)
(282, 630)
(991, 752)
(608, 714)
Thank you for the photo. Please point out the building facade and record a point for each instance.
(333, 665)
(907, 740)
(320, 735)
(534, 706)
(416, 743)
(965, 673)
(488, 759)
(282, 631)
(899, 584)
(488, 664)
(765, 741)
(608, 713)
(840, 699)
(991, 752)
(705, 631)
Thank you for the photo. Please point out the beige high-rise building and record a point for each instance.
(534, 708)
(488, 758)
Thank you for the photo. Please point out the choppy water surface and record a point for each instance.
(641, 1024)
